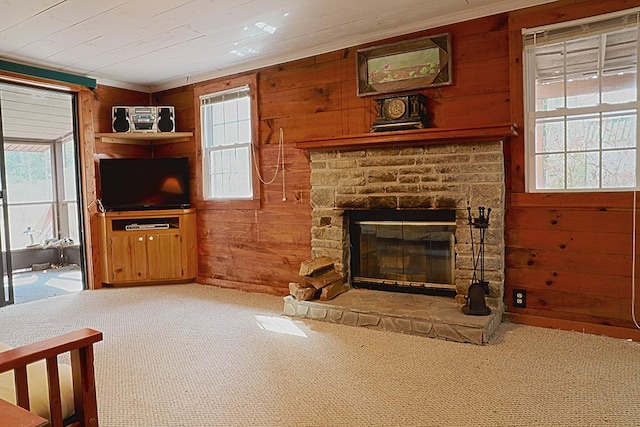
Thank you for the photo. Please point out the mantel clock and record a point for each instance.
(401, 112)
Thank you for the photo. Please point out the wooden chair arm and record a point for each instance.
(80, 346)
(51, 347)
(12, 415)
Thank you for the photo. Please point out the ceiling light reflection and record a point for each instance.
(244, 51)
(266, 27)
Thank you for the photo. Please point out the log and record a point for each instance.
(304, 283)
(300, 293)
(332, 290)
(322, 280)
(313, 266)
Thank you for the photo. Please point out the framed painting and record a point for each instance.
(406, 65)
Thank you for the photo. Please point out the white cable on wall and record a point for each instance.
(279, 163)
(633, 264)
(633, 236)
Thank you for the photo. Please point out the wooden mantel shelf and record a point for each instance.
(429, 136)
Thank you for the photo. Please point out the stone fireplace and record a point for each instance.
(419, 179)
(430, 178)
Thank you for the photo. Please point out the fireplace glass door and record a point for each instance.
(404, 255)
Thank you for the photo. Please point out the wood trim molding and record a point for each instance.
(211, 87)
(602, 201)
(88, 185)
(572, 325)
(405, 138)
(40, 82)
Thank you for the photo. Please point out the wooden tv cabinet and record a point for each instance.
(148, 247)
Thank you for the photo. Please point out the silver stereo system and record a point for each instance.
(143, 119)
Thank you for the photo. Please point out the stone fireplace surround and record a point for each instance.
(451, 176)
(444, 174)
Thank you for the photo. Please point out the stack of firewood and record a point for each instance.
(318, 279)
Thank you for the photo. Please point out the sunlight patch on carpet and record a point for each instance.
(280, 325)
(24, 280)
(69, 285)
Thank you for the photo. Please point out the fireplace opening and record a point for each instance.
(403, 251)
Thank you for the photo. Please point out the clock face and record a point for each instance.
(395, 108)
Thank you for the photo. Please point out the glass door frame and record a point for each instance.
(6, 269)
(6, 264)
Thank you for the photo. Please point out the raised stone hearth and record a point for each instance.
(423, 315)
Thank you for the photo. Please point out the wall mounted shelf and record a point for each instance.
(145, 138)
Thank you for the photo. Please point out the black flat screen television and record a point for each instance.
(129, 184)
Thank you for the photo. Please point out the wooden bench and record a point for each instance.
(79, 344)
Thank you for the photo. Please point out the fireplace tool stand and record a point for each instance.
(476, 305)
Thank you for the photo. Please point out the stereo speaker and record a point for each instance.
(121, 120)
(166, 119)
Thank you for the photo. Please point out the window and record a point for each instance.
(226, 140)
(41, 194)
(581, 105)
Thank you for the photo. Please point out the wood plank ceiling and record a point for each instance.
(156, 45)
(149, 46)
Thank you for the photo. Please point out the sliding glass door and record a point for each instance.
(7, 296)
(40, 204)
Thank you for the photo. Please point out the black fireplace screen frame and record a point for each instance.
(396, 284)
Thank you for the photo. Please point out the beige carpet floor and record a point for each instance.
(193, 355)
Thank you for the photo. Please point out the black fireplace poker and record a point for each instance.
(476, 304)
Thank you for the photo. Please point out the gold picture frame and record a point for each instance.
(406, 65)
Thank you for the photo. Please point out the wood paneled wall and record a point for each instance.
(101, 100)
(105, 97)
(571, 253)
(261, 250)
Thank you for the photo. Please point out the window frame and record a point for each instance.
(211, 88)
(565, 114)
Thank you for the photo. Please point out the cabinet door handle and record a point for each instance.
(140, 239)
(150, 237)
